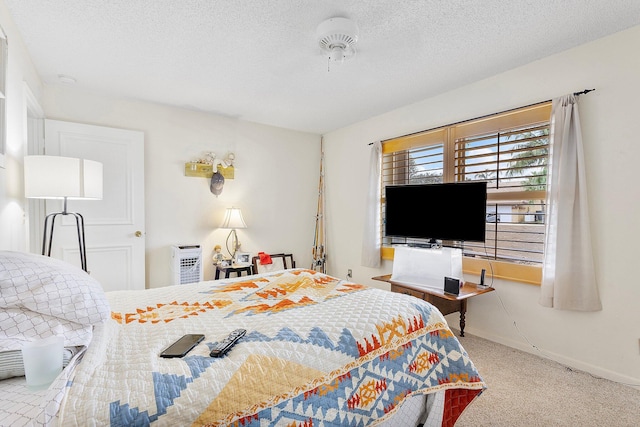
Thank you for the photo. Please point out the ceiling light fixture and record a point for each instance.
(337, 38)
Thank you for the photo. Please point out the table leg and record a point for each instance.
(217, 273)
(463, 310)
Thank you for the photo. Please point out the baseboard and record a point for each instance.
(594, 370)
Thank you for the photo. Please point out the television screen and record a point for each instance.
(453, 211)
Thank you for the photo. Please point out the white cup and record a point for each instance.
(42, 361)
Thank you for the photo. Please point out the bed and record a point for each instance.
(318, 351)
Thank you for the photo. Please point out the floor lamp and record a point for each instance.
(56, 177)
(233, 219)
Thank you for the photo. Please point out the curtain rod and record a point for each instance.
(583, 92)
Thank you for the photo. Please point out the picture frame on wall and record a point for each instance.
(242, 258)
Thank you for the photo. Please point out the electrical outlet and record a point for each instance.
(349, 274)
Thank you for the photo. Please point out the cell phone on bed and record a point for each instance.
(182, 346)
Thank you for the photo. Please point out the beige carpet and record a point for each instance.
(527, 390)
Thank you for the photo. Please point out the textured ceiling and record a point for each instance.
(259, 60)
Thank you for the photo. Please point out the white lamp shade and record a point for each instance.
(56, 177)
(233, 219)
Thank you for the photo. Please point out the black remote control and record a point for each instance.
(225, 345)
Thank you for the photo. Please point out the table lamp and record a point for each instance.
(233, 220)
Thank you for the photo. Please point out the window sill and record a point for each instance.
(529, 274)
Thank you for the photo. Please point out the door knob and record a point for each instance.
(138, 233)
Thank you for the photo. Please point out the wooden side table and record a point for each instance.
(238, 269)
(446, 303)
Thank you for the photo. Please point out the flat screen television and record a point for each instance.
(452, 211)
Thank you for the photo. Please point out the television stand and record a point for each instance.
(446, 303)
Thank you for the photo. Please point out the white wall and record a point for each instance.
(13, 226)
(605, 342)
(275, 184)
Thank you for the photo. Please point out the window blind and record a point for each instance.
(507, 150)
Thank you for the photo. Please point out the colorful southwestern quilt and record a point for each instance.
(319, 351)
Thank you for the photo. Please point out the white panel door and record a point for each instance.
(114, 226)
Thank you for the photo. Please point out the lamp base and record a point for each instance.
(234, 240)
(47, 238)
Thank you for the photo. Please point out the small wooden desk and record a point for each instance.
(238, 269)
(446, 303)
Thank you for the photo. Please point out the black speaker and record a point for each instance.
(482, 284)
(451, 286)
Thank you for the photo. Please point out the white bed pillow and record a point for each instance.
(42, 296)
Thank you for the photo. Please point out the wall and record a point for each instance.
(275, 184)
(20, 72)
(604, 343)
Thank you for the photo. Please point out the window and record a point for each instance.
(508, 150)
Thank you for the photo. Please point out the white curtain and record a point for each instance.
(371, 237)
(568, 275)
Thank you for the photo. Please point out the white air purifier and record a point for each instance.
(186, 264)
